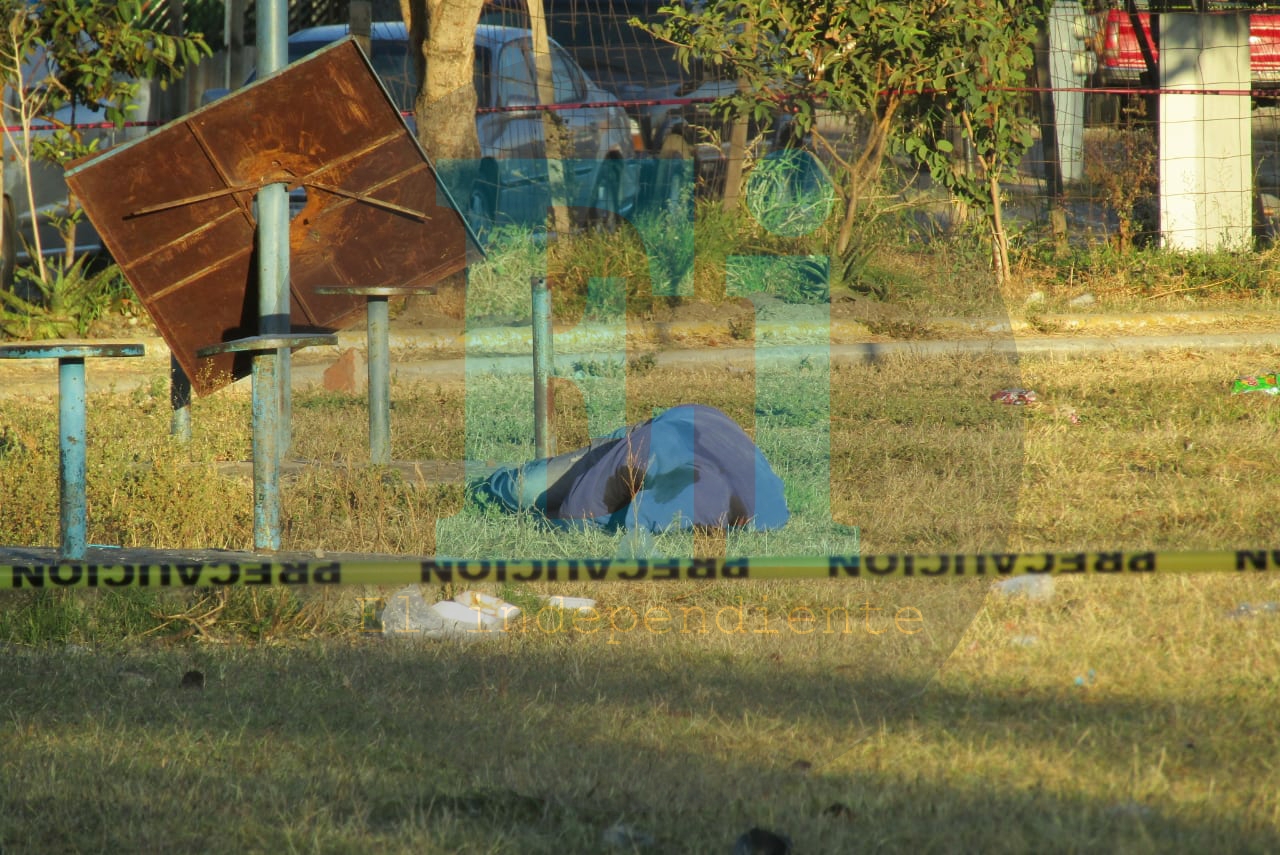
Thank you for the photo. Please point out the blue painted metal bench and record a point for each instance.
(73, 507)
(267, 445)
(379, 349)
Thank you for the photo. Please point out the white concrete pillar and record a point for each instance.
(1206, 184)
(1068, 71)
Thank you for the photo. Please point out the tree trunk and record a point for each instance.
(737, 154)
(442, 37)
(999, 237)
(995, 217)
(863, 172)
(553, 129)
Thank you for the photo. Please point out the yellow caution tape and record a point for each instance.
(432, 571)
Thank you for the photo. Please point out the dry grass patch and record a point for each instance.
(1120, 715)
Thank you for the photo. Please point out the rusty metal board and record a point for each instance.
(175, 208)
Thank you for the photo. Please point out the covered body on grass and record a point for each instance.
(689, 466)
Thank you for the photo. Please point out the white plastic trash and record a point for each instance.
(408, 617)
(1033, 587)
(459, 618)
(486, 604)
(582, 605)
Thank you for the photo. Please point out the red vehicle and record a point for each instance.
(1121, 61)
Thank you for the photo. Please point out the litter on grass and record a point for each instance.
(407, 616)
(581, 605)
(494, 609)
(1265, 383)
(1016, 397)
(469, 616)
(1031, 587)
(1248, 610)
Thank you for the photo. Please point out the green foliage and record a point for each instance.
(851, 57)
(611, 368)
(198, 16)
(95, 47)
(91, 54)
(1134, 277)
(498, 286)
(978, 91)
(1125, 170)
(65, 303)
(793, 279)
(47, 617)
(789, 193)
(936, 61)
(642, 364)
(672, 251)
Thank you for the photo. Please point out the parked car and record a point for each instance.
(511, 183)
(671, 104)
(682, 124)
(46, 183)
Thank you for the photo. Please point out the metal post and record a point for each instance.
(266, 415)
(271, 433)
(179, 401)
(273, 296)
(266, 454)
(378, 341)
(273, 229)
(379, 381)
(71, 456)
(543, 359)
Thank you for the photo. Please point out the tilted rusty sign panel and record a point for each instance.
(175, 208)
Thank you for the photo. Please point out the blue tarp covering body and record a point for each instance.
(690, 466)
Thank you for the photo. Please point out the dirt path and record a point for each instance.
(429, 340)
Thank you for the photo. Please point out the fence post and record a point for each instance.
(543, 359)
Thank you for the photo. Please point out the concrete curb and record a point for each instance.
(456, 368)
(597, 338)
(449, 357)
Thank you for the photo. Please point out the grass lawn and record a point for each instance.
(1129, 715)
(1104, 720)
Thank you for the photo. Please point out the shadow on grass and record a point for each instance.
(538, 745)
